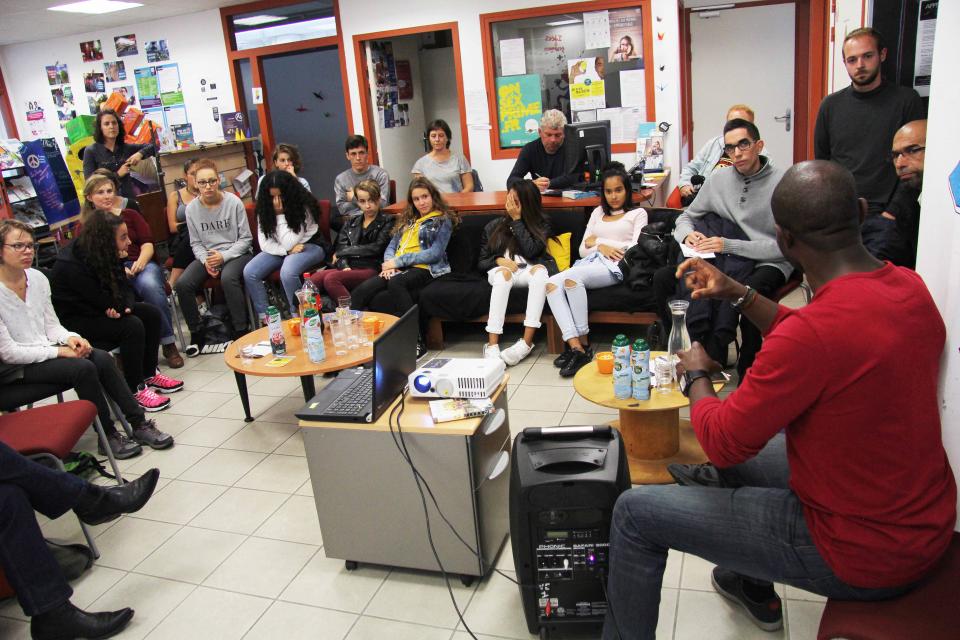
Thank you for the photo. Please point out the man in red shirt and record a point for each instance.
(856, 499)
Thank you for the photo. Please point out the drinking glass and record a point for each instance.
(338, 335)
(352, 328)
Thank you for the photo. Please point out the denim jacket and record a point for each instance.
(434, 236)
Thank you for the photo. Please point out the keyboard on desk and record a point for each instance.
(354, 399)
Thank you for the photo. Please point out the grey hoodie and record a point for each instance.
(745, 201)
(223, 228)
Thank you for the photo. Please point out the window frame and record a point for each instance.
(487, 20)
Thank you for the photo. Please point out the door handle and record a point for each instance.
(787, 117)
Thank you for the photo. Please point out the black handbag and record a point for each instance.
(655, 248)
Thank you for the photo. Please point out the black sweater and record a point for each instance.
(77, 292)
(856, 130)
(564, 168)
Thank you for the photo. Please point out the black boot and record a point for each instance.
(67, 622)
(102, 504)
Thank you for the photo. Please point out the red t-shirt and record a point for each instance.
(853, 379)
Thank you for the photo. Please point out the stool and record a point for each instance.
(928, 611)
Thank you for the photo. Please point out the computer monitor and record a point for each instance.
(394, 359)
(594, 139)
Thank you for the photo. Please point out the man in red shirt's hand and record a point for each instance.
(855, 498)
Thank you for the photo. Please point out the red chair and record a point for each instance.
(50, 433)
(928, 611)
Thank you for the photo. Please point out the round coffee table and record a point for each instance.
(652, 430)
(300, 366)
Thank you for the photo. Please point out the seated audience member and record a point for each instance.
(448, 170)
(360, 170)
(26, 560)
(122, 202)
(613, 228)
(92, 297)
(109, 151)
(286, 157)
(361, 242)
(144, 274)
(221, 242)
(31, 335)
(177, 201)
(547, 159)
(856, 499)
(711, 154)
(513, 252)
(907, 154)
(287, 227)
(739, 195)
(417, 253)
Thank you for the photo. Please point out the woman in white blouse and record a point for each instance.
(448, 170)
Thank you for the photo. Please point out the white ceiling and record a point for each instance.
(29, 20)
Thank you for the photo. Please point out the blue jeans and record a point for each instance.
(291, 267)
(149, 286)
(757, 530)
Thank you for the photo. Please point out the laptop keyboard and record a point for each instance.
(353, 400)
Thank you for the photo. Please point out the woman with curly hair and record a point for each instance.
(288, 232)
(91, 296)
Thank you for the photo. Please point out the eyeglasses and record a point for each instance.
(743, 145)
(207, 183)
(909, 152)
(22, 247)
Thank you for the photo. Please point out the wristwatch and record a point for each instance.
(688, 378)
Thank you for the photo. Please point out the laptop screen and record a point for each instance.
(394, 359)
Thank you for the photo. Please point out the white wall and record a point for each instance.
(194, 41)
(439, 87)
(938, 253)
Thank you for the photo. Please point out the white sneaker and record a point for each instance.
(491, 351)
(516, 352)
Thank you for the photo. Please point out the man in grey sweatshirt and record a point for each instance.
(360, 170)
(222, 245)
(741, 194)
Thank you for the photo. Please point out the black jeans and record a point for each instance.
(28, 564)
(399, 287)
(231, 279)
(90, 377)
(137, 335)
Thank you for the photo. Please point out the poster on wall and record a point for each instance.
(147, 87)
(91, 51)
(126, 45)
(128, 94)
(513, 59)
(114, 71)
(231, 122)
(36, 119)
(926, 27)
(57, 74)
(168, 82)
(157, 51)
(93, 103)
(404, 80)
(586, 83)
(387, 89)
(63, 99)
(596, 30)
(94, 82)
(626, 35)
(519, 106)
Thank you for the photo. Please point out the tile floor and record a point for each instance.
(229, 547)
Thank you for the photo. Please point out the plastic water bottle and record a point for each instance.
(621, 367)
(277, 342)
(313, 336)
(640, 369)
(308, 296)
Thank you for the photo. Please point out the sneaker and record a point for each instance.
(121, 446)
(146, 433)
(150, 400)
(192, 350)
(561, 360)
(577, 360)
(516, 352)
(696, 475)
(491, 351)
(164, 384)
(766, 614)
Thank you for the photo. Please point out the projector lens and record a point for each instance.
(422, 383)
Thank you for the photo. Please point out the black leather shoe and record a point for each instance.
(696, 475)
(561, 360)
(103, 504)
(576, 362)
(68, 622)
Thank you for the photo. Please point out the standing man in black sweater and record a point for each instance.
(855, 128)
(550, 160)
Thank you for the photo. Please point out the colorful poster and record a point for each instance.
(586, 83)
(115, 71)
(157, 51)
(519, 106)
(51, 180)
(182, 135)
(231, 122)
(94, 82)
(91, 51)
(404, 80)
(128, 93)
(626, 35)
(126, 45)
(57, 74)
(147, 87)
(168, 82)
(36, 119)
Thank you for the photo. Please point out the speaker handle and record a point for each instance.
(559, 433)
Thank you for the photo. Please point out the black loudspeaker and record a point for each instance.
(564, 482)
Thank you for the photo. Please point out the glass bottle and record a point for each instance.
(679, 339)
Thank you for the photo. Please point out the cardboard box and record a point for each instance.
(80, 127)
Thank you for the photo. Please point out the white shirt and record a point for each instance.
(284, 238)
(30, 329)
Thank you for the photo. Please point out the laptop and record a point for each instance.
(363, 394)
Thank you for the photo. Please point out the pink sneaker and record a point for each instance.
(150, 400)
(164, 384)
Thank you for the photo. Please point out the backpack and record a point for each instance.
(83, 464)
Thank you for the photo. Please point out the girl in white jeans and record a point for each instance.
(609, 233)
(513, 252)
